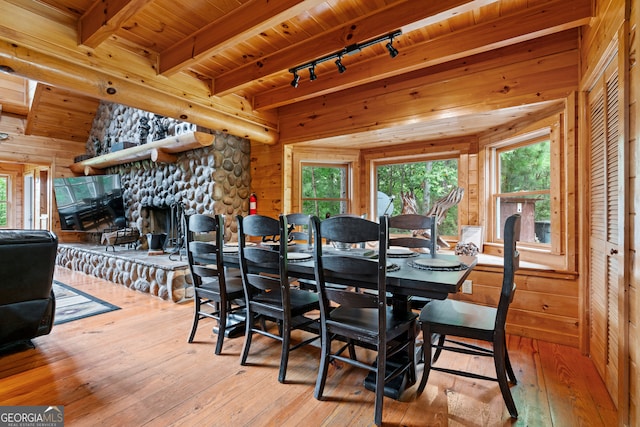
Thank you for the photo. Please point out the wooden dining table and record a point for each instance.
(407, 276)
(422, 275)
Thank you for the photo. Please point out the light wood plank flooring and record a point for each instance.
(134, 367)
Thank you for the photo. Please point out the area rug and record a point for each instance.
(72, 304)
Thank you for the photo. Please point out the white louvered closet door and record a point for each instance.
(604, 286)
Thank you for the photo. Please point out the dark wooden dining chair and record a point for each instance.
(360, 319)
(299, 227)
(216, 296)
(450, 318)
(267, 289)
(413, 240)
(417, 226)
(300, 231)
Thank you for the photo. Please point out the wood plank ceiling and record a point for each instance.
(225, 64)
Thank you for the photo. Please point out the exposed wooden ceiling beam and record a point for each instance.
(23, 30)
(104, 18)
(393, 17)
(246, 21)
(534, 22)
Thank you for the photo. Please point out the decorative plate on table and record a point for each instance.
(437, 262)
(390, 265)
(272, 243)
(298, 256)
(401, 252)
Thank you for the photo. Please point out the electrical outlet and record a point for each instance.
(467, 287)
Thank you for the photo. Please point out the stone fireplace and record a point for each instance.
(214, 179)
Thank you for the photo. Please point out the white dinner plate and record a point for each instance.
(232, 244)
(399, 250)
(437, 262)
(297, 256)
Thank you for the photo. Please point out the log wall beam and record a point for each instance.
(100, 85)
(41, 45)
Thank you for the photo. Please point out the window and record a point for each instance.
(325, 189)
(524, 186)
(424, 182)
(4, 201)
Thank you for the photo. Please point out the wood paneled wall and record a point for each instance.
(634, 219)
(545, 305)
(267, 177)
(53, 153)
(612, 34)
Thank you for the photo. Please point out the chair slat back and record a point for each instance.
(204, 247)
(255, 261)
(299, 227)
(334, 267)
(511, 265)
(417, 224)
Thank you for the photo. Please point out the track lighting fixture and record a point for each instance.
(296, 79)
(348, 50)
(393, 52)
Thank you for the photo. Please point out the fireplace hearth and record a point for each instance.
(165, 221)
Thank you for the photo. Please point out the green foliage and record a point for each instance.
(324, 190)
(4, 219)
(428, 181)
(528, 168)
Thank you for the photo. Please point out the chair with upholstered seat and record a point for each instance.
(450, 318)
(360, 319)
(267, 289)
(216, 296)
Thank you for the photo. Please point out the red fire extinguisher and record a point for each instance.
(253, 204)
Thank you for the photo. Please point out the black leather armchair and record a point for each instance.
(27, 302)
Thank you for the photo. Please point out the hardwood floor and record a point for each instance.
(134, 367)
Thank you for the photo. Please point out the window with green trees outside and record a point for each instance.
(524, 187)
(4, 201)
(325, 189)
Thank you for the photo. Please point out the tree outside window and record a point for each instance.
(325, 189)
(524, 187)
(4, 201)
(427, 180)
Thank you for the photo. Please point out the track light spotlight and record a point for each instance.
(296, 79)
(393, 52)
(348, 50)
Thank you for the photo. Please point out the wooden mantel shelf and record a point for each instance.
(163, 150)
